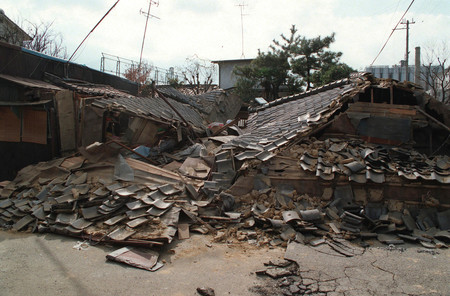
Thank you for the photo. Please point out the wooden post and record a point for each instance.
(391, 91)
(371, 94)
(431, 139)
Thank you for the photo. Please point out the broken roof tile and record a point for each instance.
(121, 233)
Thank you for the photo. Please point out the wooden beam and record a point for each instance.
(225, 127)
(172, 107)
(433, 119)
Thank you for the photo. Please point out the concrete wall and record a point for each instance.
(226, 77)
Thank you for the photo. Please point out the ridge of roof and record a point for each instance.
(307, 93)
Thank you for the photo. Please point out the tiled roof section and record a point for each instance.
(189, 91)
(173, 93)
(284, 119)
(209, 96)
(153, 107)
(200, 101)
(362, 162)
(305, 94)
(93, 89)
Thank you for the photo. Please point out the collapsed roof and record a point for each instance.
(287, 180)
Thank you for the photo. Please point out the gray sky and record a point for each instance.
(211, 29)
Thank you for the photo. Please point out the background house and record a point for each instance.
(10, 32)
(227, 79)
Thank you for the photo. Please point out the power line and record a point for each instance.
(392, 33)
(93, 29)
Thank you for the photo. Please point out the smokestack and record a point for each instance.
(417, 66)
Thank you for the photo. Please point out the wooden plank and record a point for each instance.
(66, 120)
(34, 126)
(357, 114)
(385, 110)
(380, 105)
(9, 125)
(376, 140)
(403, 111)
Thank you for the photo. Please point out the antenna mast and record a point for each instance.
(241, 6)
(147, 15)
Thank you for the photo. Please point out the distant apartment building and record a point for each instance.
(426, 73)
(396, 72)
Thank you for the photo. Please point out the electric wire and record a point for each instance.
(384, 45)
(93, 30)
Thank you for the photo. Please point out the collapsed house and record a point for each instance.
(360, 127)
(50, 108)
(38, 118)
(353, 159)
(354, 145)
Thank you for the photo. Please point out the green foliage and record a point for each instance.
(331, 73)
(296, 62)
(309, 55)
(269, 69)
(245, 89)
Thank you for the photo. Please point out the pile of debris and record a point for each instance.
(112, 199)
(104, 197)
(278, 215)
(362, 161)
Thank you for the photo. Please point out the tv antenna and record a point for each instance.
(241, 6)
(147, 15)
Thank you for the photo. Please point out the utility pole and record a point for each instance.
(147, 15)
(407, 23)
(241, 6)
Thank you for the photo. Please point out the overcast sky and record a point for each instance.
(211, 29)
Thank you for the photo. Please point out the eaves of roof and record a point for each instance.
(33, 83)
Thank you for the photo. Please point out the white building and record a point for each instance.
(227, 79)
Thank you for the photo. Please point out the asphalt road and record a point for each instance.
(47, 264)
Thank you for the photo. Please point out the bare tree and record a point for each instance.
(199, 74)
(435, 73)
(141, 75)
(45, 40)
